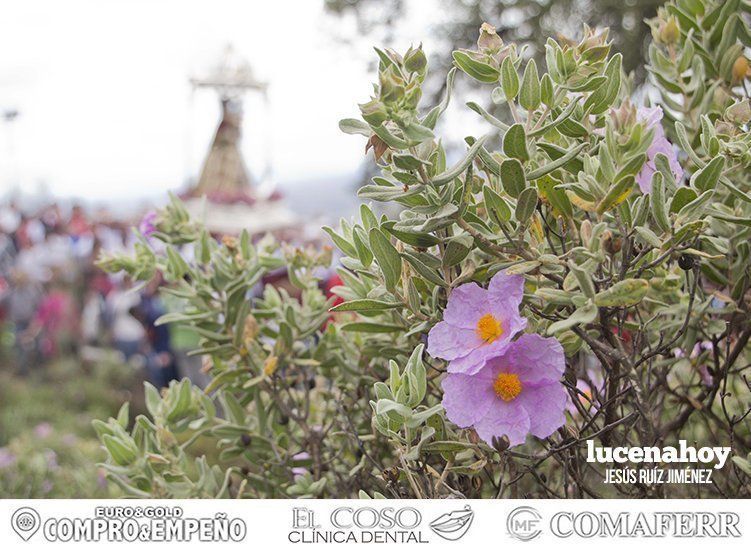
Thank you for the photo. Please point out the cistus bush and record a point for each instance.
(578, 270)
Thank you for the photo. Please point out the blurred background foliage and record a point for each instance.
(524, 22)
(48, 448)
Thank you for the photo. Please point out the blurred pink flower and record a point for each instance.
(147, 227)
(43, 430)
(302, 456)
(514, 394)
(651, 118)
(478, 323)
(6, 458)
(706, 377)
(590, 388)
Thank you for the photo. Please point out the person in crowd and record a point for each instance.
(55, 322)
(161, 360)
(21, 302)
(127, 332)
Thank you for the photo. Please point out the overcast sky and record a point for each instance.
(106, 110)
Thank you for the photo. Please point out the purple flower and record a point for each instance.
(478, 324)
(705, 375)
(147, 227)
(43, 430)
(516, 393)
(588, 393)
(6, 458)
(299, 470)
(651, 117)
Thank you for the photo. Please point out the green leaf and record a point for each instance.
(387, 257)
(405, 161)
(617, 194)
(363, 251)
(424, 270)
(555, 196)
(496, 207)
(601, 99)
(526, 204)
(707, 178)
(624, 293)
(181, 402)
(529, 95)
(118, 450)
(460, 245)
(512, 177)
(415, 239)
(383, 193)
(355, 126)
(562, 160)
(659, 204)
(365, 305)
(585, 314)
(475, 107)
(370, 327)
(546, 90)
(509, 79)
(480, 70)
(461, 166)
(153, 399)
(584, 279)
(648, 236)
(123, 415)
(342, 243)
(555, 296)
(682, 196)
(515, 142)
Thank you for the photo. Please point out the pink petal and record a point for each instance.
(466, 304)
(445, 341)
(535, 359)
(466, 398)
(545, 405)
(505, 293)
(471, 363)
(507, 418)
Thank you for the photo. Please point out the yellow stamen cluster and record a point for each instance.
(507, 386)
(488, 328)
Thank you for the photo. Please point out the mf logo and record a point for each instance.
(523, 523)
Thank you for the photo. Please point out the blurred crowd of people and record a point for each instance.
(55, 302)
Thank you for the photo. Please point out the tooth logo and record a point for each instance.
(454, 525)
(25, 522)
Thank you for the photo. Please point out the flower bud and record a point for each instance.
(670, 32)
(392, 85)
(501, 443)
(586, 231)
(250, 329)
(739, 113)
(686, 261)
(230, 242)
(374, 112)
(415, 60)
(269, 366)
(489, 41)
(740, 69)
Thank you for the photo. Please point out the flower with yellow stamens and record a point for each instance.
(478, 323)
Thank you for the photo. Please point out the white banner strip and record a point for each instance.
(373, 522)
